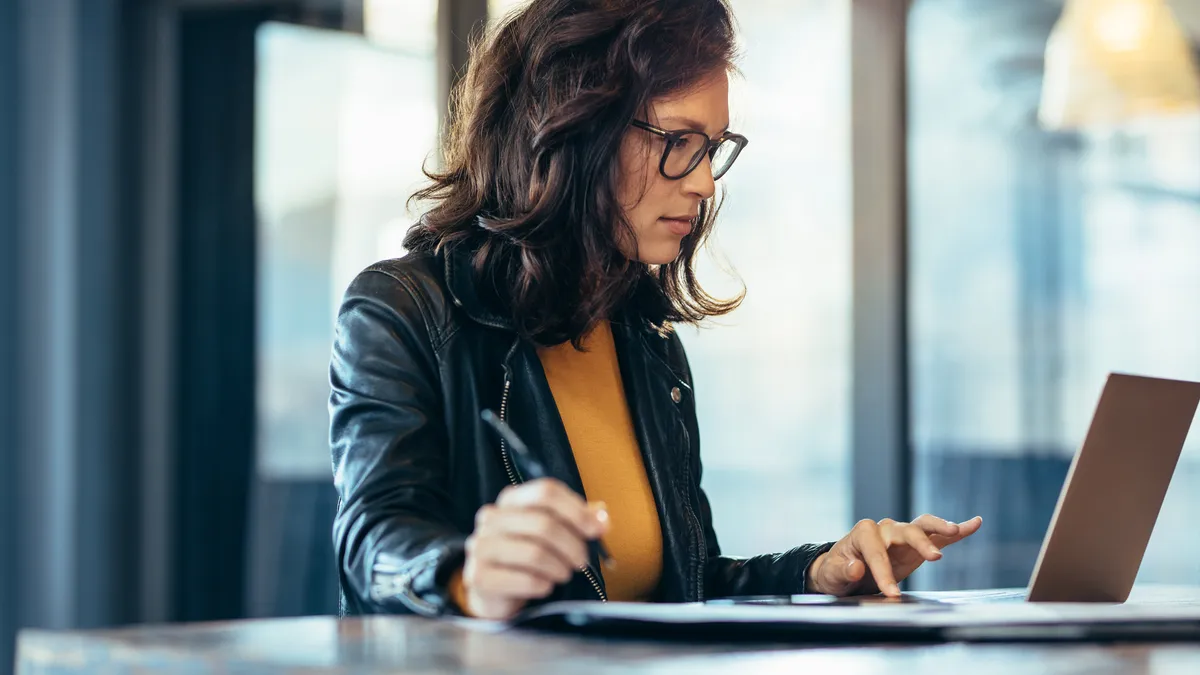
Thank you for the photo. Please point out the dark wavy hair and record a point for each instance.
(531, 161)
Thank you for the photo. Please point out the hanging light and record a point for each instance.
(1111, 61)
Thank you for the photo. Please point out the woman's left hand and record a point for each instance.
(877, 555)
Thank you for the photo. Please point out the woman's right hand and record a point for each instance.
(533, 538)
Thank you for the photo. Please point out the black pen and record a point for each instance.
(532, 469)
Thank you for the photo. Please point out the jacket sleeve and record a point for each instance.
(395, 544)
(725, 576)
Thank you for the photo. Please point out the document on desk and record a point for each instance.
(928, 622)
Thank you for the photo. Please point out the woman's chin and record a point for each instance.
(659, 253)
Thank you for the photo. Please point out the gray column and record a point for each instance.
(155, 47)
(880, 415)
(8, 312)
(456, 21)
(73, 450)
(48, 225)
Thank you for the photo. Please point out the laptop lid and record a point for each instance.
(1114, 490)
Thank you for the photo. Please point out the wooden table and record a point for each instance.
(415, 645)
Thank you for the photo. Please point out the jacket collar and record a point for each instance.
(464, 292)
(460, 280)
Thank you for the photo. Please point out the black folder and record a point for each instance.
(926, 620)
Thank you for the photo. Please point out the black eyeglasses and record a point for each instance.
(685, 150)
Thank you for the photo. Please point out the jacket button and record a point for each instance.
(676, 395)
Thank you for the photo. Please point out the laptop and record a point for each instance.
(1091, 553)
(1113, 492)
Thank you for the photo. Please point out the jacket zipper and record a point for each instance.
(700, 552)
(508, 464)
(694, 521)
(392, 581)
(515, 480)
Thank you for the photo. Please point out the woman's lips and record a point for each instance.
(678, 226)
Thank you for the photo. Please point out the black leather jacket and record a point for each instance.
(416, 357)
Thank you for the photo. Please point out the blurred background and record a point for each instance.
(954, 220)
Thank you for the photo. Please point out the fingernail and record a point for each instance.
(894, 589)
(937, 551)
(600, 510)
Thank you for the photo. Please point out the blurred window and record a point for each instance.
(773, 378)
(1040, 262)
(344, 126)
(498, 8)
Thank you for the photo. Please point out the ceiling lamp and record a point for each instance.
(1112, 61)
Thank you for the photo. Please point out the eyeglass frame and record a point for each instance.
(698, 158)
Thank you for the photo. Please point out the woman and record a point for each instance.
(543, 284)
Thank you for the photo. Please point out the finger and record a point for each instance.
(839, 576)
(853, 571)
(915, 537)
(560, 500)
(970, 527)
(831, 573)
(526, 555)
(505, 582)
(965, 529)
(539, 526)
(493, 608)
(933, 525)
(869, 542)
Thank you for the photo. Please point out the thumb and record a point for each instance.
(855, 570)
(840, 572)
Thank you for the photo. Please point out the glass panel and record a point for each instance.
(498, 8)
(344, 126)
(1039, 263)
(772, 379)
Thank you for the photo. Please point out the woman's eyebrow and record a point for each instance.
(690, 122)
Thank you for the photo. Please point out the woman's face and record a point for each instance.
(663, 211)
